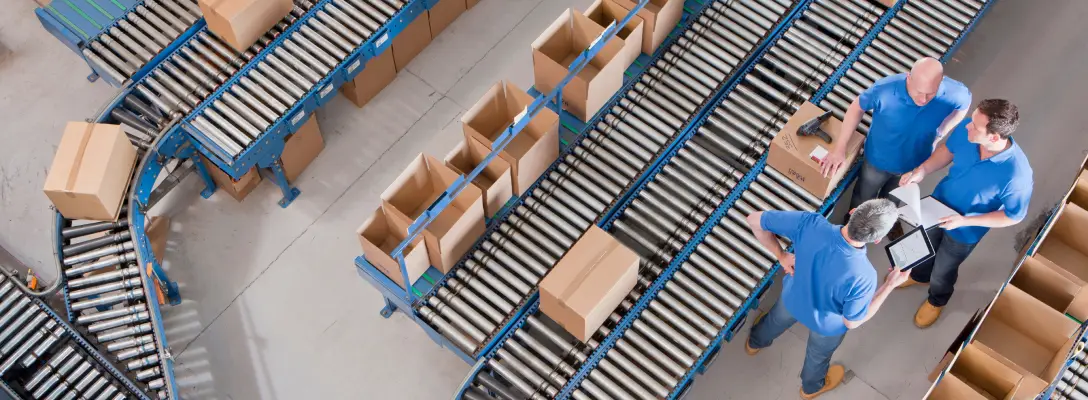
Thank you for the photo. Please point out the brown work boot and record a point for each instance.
(747, 347)
(927, 314)
(831, 381)
(910, 282)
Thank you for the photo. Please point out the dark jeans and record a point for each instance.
(943, 269)
(872, 183)
(817, 355)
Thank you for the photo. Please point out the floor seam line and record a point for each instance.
(496, 44)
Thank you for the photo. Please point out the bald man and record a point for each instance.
(911, 113)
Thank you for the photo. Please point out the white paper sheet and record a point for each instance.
(909, 249)
(911, 195)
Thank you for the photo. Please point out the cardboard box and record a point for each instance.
(241, 22)
(1029, 385)
(588, 283)
(888, 3)
(471, 3)
(953, 388)
(301, 148)
(455, 229)
(1064, 254)
(378, 73)
(1080, 190)
(158, 229)
(411, 41)
(606, 12)
(532, 150)
(1027, 333)
(1054, 286)
(990, 377)
(555, 50)
(91, 171)
(443, 13)
(379, 237)
(495, 181)
(238, 189)
(797, 157)
(659, 18)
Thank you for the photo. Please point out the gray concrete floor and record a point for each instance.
(274, 309)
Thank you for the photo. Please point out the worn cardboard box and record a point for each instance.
(301, 148)
(158, 229)
(443, 13)
(455, 229)
(241, 22)
(238, 189)
(378, 73)
(659, 18)
(91, 171)
(798, 157)
(606, 12)
(379, 237)
(555, 50)
(588, 283)
(532, 150)
(1027, 333)
(495, 181)
(411, 41)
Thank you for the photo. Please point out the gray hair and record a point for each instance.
(872, 220)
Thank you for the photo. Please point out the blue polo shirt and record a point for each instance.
(831, 278)
(975, 186)
(902, 134)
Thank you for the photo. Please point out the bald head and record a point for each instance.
(925, 80)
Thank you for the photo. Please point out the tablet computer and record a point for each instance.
(910, 250)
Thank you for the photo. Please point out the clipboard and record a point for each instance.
(910, 250)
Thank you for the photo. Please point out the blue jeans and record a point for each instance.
(817, 356)
(872, 183)
(943, 269)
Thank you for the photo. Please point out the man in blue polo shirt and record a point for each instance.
(830, 286)
(911, 113)
(989, 185)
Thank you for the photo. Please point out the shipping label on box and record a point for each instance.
(799, 157)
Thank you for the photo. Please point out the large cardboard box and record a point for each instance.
(301, 148)
(378, 73)
(588, 283)
(554, 52)
(379, 237)
(659, 17)
(411, 41)
(606, 12)
(455, 229)
(443, 13)
(91, 171)
(238, 189)
(1027, 333)
(495, 181)
(798, 157)
(1060, 265)
(532, 150)
(241, 22)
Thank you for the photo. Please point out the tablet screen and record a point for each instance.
(910, 250)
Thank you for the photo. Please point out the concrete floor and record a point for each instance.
(274, 309)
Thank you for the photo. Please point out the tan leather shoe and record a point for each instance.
(910, 282)
(831, 381)
(748, 348)
(927, 314)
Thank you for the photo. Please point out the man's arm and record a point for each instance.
(949, 123)
(837, 157)
(769, 241)
(895, 278)
(940, 158)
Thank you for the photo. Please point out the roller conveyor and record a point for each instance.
(1072, 383)
(484, 291)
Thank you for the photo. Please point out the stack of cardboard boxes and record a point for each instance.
(1022, 342)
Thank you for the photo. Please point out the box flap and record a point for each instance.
(986, 373)
(952, 388)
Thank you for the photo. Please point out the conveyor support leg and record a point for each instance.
(202, 170)
(389, 308)
(280, 178)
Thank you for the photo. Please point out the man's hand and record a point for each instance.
(896, 277)
(832, 162)
(914, 176)
(787, 260)
(953, 221)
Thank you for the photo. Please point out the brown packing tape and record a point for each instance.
(73, 173)
(579, 279)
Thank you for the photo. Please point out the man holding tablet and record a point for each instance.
(989, 185)
(830, 285)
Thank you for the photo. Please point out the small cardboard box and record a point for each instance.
(606, 12)
(379, 238)
(659, 18)
(455, 229)
(988, 376)
(411, 41)
(554, 52)
(588, 283)
(1028, 333)
(241, 22)
(494, 181)
(91, 170)
(1061, 264)
(378, 73)
(238, 189)
(798, 157)
(443, 13)
(301, 148)
(532, 150)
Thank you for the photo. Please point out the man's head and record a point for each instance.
(993, 120)
(924, 80)
(871, 220)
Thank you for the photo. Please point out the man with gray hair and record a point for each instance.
(830, 286)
